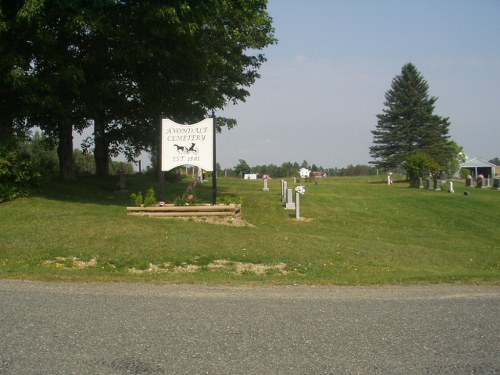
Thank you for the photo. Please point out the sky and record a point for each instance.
(325, 80)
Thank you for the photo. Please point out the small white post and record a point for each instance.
(297, 205)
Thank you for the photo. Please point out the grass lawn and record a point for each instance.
(356, 231)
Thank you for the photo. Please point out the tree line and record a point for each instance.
(291, 169)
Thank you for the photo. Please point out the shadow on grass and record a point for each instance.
(105, 190)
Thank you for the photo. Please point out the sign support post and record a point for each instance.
(214, 170)
(161, 173)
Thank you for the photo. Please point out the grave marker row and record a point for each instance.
(287, 197)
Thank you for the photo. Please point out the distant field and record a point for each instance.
(355, 231)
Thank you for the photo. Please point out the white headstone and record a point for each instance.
(289, 205)
(266, 188)
(451, 187)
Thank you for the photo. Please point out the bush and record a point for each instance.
(465, 172)
(19, 174)
(149, 200)
(186, 200)
(420, 164)
(138, 199)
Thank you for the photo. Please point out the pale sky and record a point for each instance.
(325, 80)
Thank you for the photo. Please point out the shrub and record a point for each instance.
(186, 200)
(19, 175)
(148, 200)
(420, 164)
(138, 199)
(465, 172)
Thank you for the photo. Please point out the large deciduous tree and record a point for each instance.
(14, 68)
(121, 65)
(178, 59)
(192, 57)
(407, 129)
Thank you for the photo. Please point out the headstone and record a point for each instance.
(430, 183)
(437, 184)
(496, 183)
(289, 205)
(266, 188)
(284, 188)
(120, 186)
(297, 205)
(420, 183)
(451, 187)
(483, 182)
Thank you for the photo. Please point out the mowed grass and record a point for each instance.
(354, 231)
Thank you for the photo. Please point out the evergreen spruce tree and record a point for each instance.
(408, 124)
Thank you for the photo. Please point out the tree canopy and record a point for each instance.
(408, 132)
(120, 65)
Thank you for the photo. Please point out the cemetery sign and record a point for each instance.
(187, 144)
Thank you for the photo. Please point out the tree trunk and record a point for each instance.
(65, 152)
(101, 152)
(6, 133)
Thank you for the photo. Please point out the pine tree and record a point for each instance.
(408, 124)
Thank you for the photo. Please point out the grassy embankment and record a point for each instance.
(357, 231)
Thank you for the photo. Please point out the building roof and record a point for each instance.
(477, 163)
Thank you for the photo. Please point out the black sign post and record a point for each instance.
(161, 173)
(214, 169)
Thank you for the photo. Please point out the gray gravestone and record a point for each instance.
(120, 186)
(284, 188)
(437, 184)
(289, 205)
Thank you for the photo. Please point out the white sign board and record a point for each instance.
(187, 144)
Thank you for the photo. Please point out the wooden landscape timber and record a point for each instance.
(233, 210)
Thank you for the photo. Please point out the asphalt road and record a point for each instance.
(71, 328)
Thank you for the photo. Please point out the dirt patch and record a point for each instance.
(218, 220)
(71, 263)
(153, 268)
(218, 265)
(302, 219)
